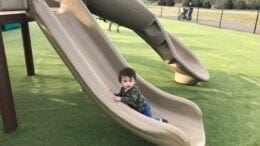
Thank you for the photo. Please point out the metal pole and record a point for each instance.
(27, 49)
(197, 19)
(256, 21)
(221, 16)
(7, 108)
(161, 11)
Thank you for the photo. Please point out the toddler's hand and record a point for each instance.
(117, 98)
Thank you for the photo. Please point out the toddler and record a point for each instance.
(131, 95)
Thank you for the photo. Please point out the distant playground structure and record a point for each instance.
(95, 62)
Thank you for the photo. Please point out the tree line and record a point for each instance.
(219, 4)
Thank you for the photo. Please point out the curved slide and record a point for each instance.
(134, 15)
(95, 63)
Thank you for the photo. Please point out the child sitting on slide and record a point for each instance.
(131, 95)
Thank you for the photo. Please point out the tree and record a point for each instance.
(250, 4)
(206, 4)
(228, 4)
(178, 1)
(185, 3)
(257, 4)
(253, 4)
(166, 2)
(170, 3)
(162, 2)
(239, 4)
(197, 3)
(218, 4)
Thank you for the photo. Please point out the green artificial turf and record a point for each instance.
(53, 110)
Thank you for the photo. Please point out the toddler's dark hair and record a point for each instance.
(127, 72)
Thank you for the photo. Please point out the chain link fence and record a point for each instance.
(242, 20)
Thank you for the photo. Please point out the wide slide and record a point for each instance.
(95, 63)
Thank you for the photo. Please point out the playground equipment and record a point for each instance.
(95, 63)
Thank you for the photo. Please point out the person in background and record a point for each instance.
(110, 26)
(190, 10)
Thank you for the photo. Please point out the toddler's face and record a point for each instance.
(127, 82)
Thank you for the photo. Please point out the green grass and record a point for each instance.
(53, 110)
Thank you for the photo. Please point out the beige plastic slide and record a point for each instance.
(95, 63)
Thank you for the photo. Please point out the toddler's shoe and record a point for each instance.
(161, 119)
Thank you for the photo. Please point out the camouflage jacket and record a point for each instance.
(133, 98)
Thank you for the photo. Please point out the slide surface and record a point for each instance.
(95, 63)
